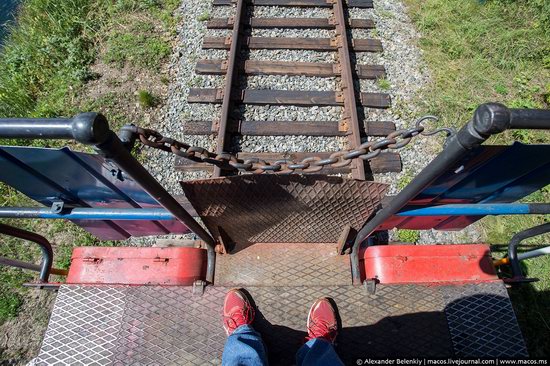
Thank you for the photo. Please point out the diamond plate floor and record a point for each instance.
(169, 326)
(273, 208)
(288, 264)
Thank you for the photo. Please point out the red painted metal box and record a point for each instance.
(392, 264)
(137, 266)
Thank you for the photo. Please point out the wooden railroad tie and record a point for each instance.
(286, 97)
(286, 128)
(315, 69)
(365, 4)
(288, 23)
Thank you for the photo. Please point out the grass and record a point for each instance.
(146, 99)
(408, 236)
(46, 64)
(135, 46)
(383, 84)
(494, 50)
(204, 17)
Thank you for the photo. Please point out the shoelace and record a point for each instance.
(241, 315)
(320, 329)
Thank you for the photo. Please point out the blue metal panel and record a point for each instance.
(490, 174)
(81, 180)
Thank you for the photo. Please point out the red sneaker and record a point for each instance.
(237, 311)
(321, 321)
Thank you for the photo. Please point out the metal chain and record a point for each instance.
(366, 151)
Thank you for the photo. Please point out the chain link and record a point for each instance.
(225, 161)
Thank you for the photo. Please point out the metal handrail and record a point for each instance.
(45, 268)
(489, 119)
(93, 129)
(517, 273)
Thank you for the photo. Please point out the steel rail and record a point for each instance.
(351, 117)
(230, 77)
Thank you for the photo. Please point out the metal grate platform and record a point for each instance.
(298, 208)
(169, 326)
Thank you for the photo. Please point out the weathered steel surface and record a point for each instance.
(306, 264)
(287, 128)
(230, 78)
(283, 208)
(349, 93)
(169, 326)
(384, 163)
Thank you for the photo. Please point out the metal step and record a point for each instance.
(123, 325)
(284, 264)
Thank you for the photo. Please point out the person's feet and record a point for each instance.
(237, 311)
(321, 321)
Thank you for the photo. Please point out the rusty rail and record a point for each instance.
(351, 117)
(230, 77)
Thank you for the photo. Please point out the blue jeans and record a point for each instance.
(244, 347)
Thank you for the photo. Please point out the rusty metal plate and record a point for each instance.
(273, 208)
(292, 264)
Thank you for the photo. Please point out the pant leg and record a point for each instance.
(244, 347)
(317, 352)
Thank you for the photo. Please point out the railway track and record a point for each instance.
(347, 95)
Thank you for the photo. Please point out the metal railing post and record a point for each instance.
(517, 273)
(45, 247)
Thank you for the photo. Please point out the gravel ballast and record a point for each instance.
(406, 75)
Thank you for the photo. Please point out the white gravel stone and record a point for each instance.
(291, 12)
(284, 82)
(292, 55)
(294, 33)
(291, 113)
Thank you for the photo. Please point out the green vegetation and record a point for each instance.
(383, 84)
(204, 17)
(405, 179)
(47, 57)
(479, 52)
(146, 99)
(135, 46)
(408, 236)
(494, 50)
(47, 65)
